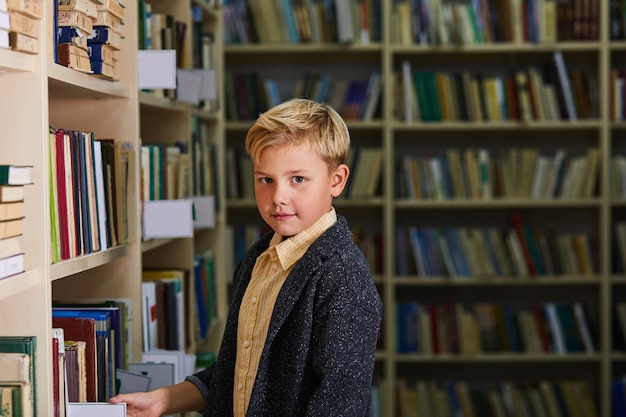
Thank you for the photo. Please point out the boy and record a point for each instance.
(305, 315)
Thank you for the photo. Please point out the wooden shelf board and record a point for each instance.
(86, 262)
(67, 83)
(152, 100)
(148, 245)
(567, 280)
(17, 283)
(12, 61)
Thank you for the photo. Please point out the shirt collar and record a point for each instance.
(290, 250)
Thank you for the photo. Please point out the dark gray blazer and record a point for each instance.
(318, 358)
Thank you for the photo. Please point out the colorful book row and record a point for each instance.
(90, 181)
(302, 21)
(457, 328)
(248, 93)
(482, 174)
(547, 93)
(461, 398)
(518, 251)
(427, 22)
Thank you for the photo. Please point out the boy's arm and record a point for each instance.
(344, 353)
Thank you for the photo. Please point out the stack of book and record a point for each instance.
(18, 395)
(19, 26)
(12, 181)
(75, 20)
(106, 38)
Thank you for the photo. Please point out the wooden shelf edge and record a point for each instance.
(18, 283)
(416, 281)
(148, 245)
(12, 61)
(152, 100)
(66, 82)
(497, 358)
(83, 263)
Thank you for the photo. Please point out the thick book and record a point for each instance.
(27, 345)
(31, 8)
(11, 211)
(15, 174)
(81, 329)
(9, 193)
(11, 265)
(11, 228)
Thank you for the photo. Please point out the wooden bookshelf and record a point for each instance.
(167, 121)
(37, 94)
(288, 63)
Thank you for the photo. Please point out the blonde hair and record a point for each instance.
(298, 121)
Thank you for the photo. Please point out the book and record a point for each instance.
(15, 174)
(10, 246)
(11, 265)
(11, 210)
(161, 374)
(129, 382)
(11, 228)
(27, 345)
(83, 330)
(95, 409)
(58, 371)
(16, 373)
(31, 8)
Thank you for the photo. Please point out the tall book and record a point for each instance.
(28, 346)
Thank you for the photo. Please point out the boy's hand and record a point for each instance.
(140, 404)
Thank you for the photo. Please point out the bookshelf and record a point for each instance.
(288, 63)
(169, 122)
(38, 94)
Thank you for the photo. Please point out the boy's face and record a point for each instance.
(293, 187)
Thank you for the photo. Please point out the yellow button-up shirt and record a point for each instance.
(269, 273)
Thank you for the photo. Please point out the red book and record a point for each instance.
(59, 144)
(83, 329)
(55, 377)
(516, 222)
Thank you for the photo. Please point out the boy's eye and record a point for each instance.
(298, 179)
(265, 180)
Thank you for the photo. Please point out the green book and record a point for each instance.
(15, 174)
(27, 345)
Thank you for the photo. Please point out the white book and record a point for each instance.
(149, 317)
(99, 409)
(343, 14)
(583, 329)
(555, 328)
(11, 265)
(557, 165)
(565, 85)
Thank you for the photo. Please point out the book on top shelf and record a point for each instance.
(11, 265)
(15, 174)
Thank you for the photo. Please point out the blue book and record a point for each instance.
(456, 250)
(618, 400)
(202, 303)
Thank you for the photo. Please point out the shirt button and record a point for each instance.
(253, 300)
(274, 266)
(246, 343)
(239, 386)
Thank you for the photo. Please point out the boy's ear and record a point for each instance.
(339, 179)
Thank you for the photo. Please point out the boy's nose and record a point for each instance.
(280, 195)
